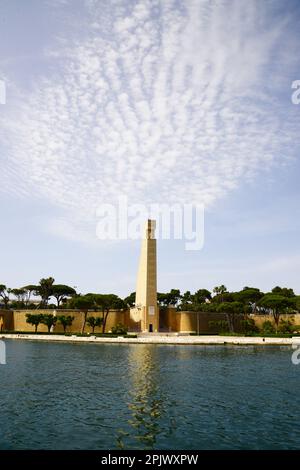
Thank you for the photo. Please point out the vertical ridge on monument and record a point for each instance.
(146, 311)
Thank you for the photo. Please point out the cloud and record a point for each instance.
(160, 101)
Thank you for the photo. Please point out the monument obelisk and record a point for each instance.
(146, 310)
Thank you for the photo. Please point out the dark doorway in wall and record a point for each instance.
(150, 328)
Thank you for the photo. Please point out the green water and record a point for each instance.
(112, 396)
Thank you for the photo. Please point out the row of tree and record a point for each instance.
(248, 300)
(103, 302)
(44, 290)
(66, 321)
(49, 320)
(281, 300)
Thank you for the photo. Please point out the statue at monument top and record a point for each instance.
(150, 229)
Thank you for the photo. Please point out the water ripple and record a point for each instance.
(69, 396)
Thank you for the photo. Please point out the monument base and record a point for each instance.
(147, 318)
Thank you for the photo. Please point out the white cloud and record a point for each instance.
(170, 106)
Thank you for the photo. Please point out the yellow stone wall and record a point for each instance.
(6, 320)
(114, 317)
(187, 322)
(170, 320)
(193, 322)
(259, 319)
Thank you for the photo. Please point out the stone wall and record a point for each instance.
(114, 317)
(192, 322)
(260, 319)
(170, 320)
(6, 320)
(188, 322)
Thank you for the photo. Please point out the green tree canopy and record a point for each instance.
(201, 296)
(208, 307)
(186, 301)
(108, 302)
(4, 294)
(31, 289)
(45, 290)
(168, 298)
(231, 310)
(84, 303)
(49, 320)
(173, 297)
(130, 300)
(34, 320)
(297, 302)
(20, 294)
(276, 304)
(223, 297)
(61, 292)
(220, 289)
(65, 321)
(284, 291)
(248, 295)
(94, 322)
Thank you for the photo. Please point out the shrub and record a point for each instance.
(249, 326)
(119, 329)
(221, 326)
(94, 322)
(267, 327)
(286, 326)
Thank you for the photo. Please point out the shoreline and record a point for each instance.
(159, 339)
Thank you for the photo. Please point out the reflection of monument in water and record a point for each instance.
(149, 409)
(145, 402)
(146, 311)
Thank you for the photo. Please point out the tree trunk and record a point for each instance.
(105, 315)
(36, 327)
(230, 323)
(84, 322)
(276, 316)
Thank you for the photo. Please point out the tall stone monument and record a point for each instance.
(146, 310)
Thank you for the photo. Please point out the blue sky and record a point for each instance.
(161, 101)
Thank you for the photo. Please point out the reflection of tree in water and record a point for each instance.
(147, 403)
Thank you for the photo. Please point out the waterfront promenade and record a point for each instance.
(158, 339)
